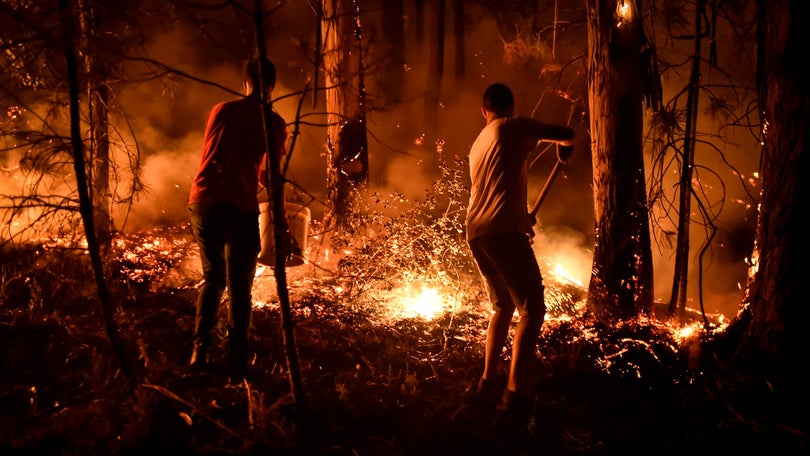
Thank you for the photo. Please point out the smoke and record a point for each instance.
(568, 250)
(166, 176)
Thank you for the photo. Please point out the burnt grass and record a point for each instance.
(366, 387)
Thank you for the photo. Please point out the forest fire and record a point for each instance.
(103, 119)
(167, 254)
(451, 302)
(398, 301)
(399, 345)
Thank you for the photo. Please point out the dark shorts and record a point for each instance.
(511, 273)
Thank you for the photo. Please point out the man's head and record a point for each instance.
(498, 100)
(252, 75)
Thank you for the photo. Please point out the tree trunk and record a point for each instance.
(347, 143)
(280, 227)
(680, 279)
(435, 71)
(99, 145)
(419, 22)
(391, 79)
(458, 35)
(100, 161)
(621, 278)
(774, 320)
(85, 205)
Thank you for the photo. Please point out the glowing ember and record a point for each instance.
(687, 331)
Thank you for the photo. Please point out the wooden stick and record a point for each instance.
(560, 161)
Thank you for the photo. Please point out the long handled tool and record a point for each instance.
(563, 155)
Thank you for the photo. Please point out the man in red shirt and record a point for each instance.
(224, 212)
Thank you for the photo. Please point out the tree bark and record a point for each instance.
(98, 95)
(347, 143)
(621, 280)
(100, 160)
(394, 37)
(773, 322)
(419, 22)
(459, 36)
(435, 72)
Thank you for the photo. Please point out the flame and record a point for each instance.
(624, 13)
(687, 331)
(425, 303)
(562, 274)
(418, 296)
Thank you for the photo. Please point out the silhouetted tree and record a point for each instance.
(69, 13)
(435, 71)
(35, 91)
(772, 323)
(280, 227)
(684, 140)
(680, 280)
(459, 40)
(393, 34)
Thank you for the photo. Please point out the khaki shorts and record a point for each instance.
(511, 273)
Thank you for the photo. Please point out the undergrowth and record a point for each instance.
(373, 384)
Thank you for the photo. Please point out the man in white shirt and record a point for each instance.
(499, 233)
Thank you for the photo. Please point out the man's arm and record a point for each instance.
(546, 132)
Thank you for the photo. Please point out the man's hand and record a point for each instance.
(564, 153)
(532, 222)
(289, 246)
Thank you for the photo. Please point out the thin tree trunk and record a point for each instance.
(100, 147)
(419, 22)
(99, 151)
(435, 70)
(85, 204)
(391, 78)
(677, 302)
(318, 53)
(621, 278)
(458, 34)
(280, 227)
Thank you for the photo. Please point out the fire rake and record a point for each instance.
(563, 155)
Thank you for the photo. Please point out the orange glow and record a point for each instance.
(418, 302)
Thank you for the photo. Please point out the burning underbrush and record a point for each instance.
(389, 321)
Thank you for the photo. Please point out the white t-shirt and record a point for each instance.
(498, 174)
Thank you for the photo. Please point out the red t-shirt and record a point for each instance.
(232, 154)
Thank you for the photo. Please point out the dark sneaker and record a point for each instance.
(515, 411)
(199, 358)
(238, 368)
(483, 395)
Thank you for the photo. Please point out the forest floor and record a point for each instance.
(369, 384)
